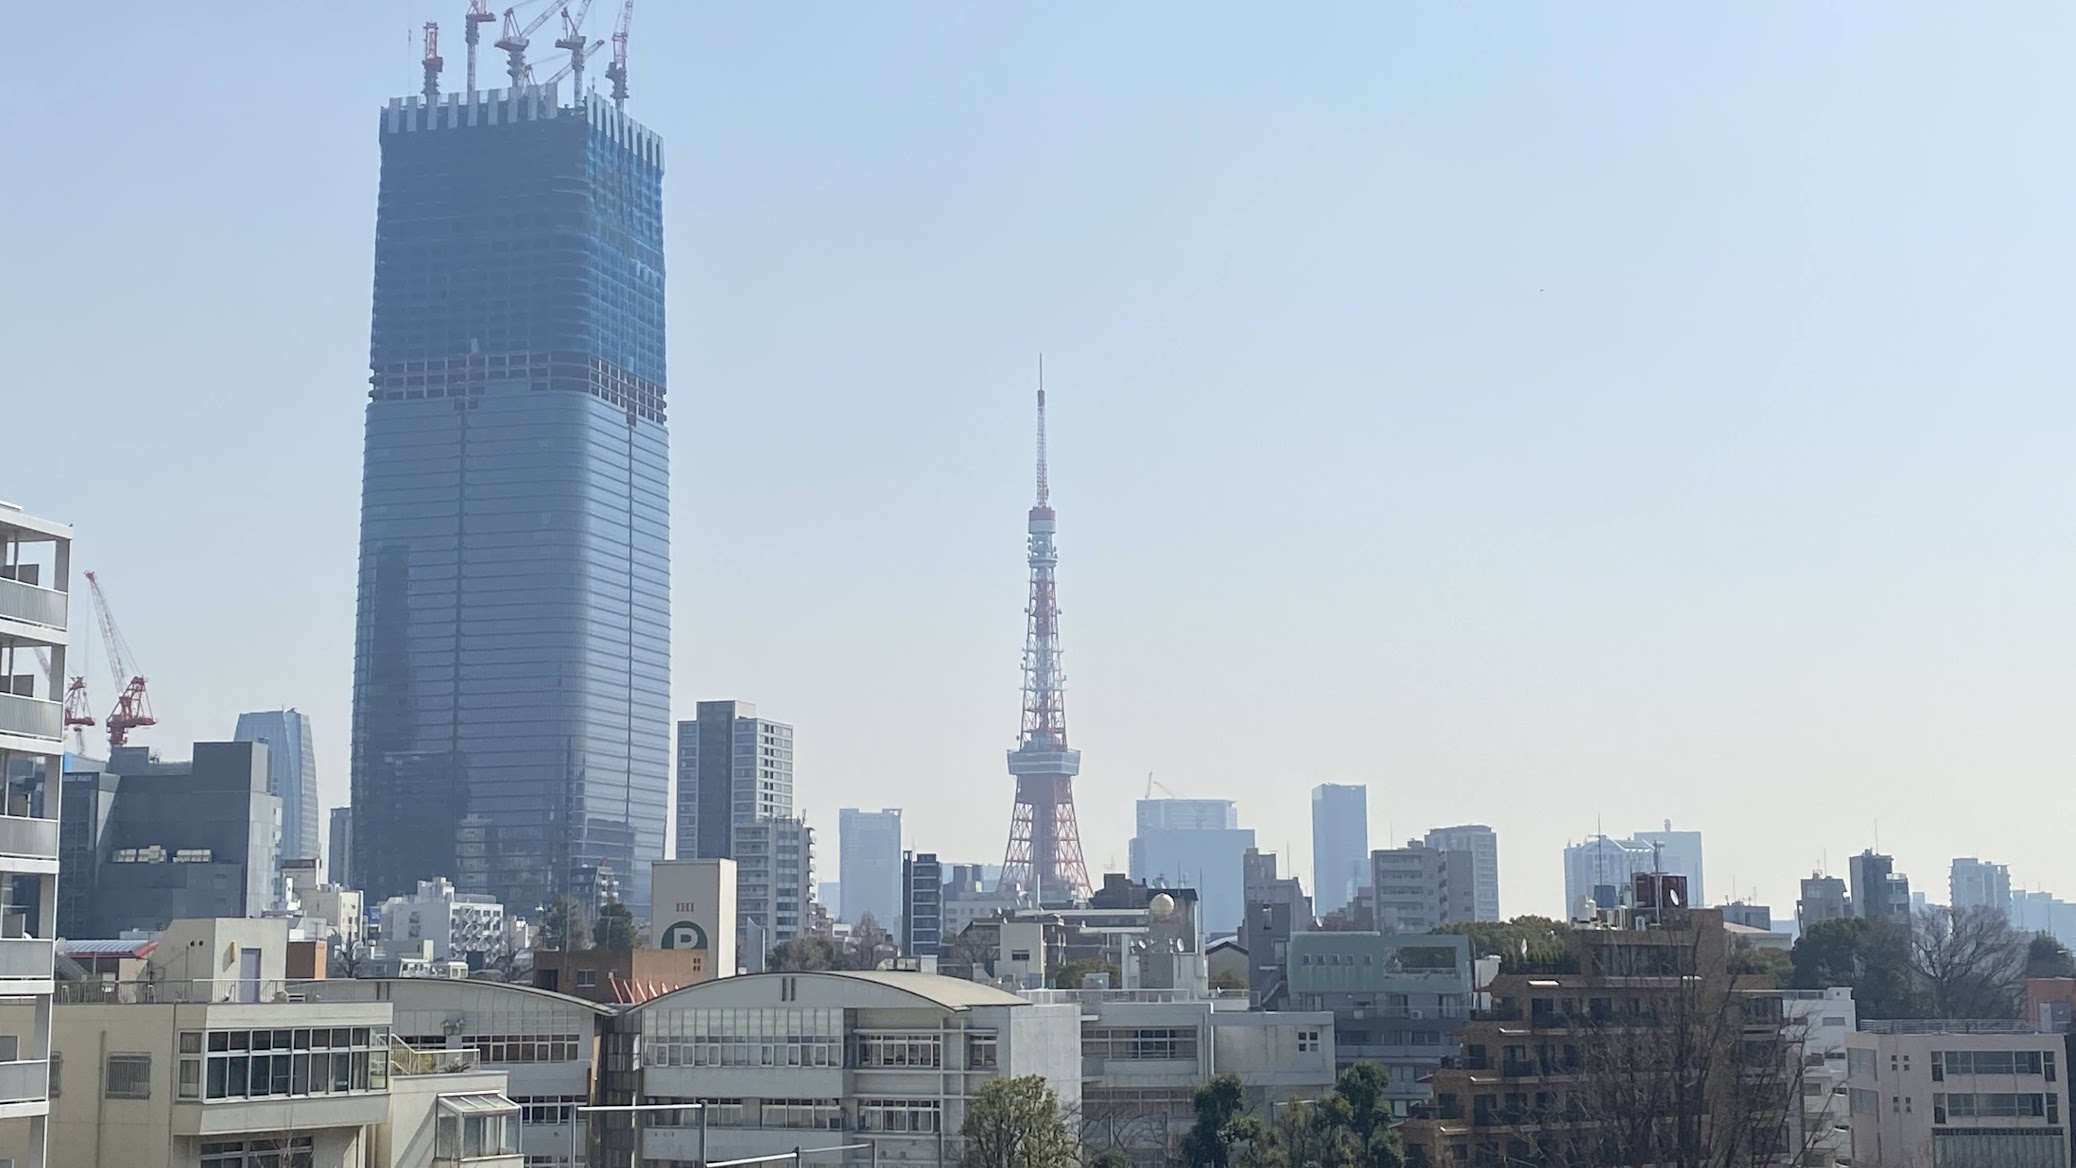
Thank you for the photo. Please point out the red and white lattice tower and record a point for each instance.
(1044, 855)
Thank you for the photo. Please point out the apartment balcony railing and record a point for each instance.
(32, 717)
(22, 835)
(24, 1081)
(36, 606)
(186, 991)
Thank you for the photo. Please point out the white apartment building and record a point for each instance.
(1819, 1022)
(35, 591)
(774, 883)
(545, 1044)
(216, 1060)
(454, 923)
(1143, 1053)
(1957, 1093)
(817, 1060)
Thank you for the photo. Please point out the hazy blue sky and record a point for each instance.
(1545, 414)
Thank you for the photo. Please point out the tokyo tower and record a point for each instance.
(1044, 855)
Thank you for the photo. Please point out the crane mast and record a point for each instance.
(133, 705)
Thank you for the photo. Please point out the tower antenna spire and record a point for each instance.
(1044, 496)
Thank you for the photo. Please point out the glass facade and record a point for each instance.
(510, 701)
(291, 775)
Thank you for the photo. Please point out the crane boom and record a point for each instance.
(133, 705)
(515, 39)
(617, 71)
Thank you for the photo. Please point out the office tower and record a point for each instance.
(1979, 883)
(1340, 843)
(1178, 846)
(1823, 899)
(1483, 845)
(291, 774)
(868, 862)
(1678, 852)
(922, 904)
(774, 884)
(35, 661)
(1879, 892)
(339, 860)
(1187, 815)
(1044, 853)
(1418, 888)
(164, 841)
(1598, 869)
(512, 641)
(733, 768)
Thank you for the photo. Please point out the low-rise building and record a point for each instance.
(620, 976)
(1957, 1092)
(1400, 999)
(466, 926)
(814, 1060)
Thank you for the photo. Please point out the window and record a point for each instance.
(255, 1064)
(1123, 1042)
(1019, 954)
(129, 1076)
(982, 1052)
(283, 1151)
(814, 1114)
(1863, 1102)
(897, 1050)
(898, 1115)
(587, 979)
(1860, 1061)
(1834, 1021)
(57, 1072)
(475, 1126)
(523, 1048)
(718, 1037)
(548, 1110)
(1307, 1041)
(1992, 1062)
(1995, 1105)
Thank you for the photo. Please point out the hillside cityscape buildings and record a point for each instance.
(517, 946)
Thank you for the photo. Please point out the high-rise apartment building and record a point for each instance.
(922, 904)
(339, 859)
(511, 713)
(1483, 845)
(1879, 891)
(1823, 899)
(734, 768)
(868, 861)
(774, 884)
(291, 774)
(35, 595)
(1340, 843)
(1416, 888)
(1976, 883)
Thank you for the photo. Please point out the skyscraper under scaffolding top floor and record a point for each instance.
(511, 656)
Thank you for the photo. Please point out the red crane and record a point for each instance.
(77, 712)
(617, 71)
(132, 706)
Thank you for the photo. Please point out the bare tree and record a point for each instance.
(1968, 962)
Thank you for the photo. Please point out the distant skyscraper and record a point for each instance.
(775, 880)
(1979, 883)
(511, 697)
(1679, 852)
(868, 861)
(733, 768)
(1483, 845)
(291, 774)
(1194, 843)
(922, 904)
(339, 863)
(1879, 893)
(1044, 853)
(1417, 888)
(1340, 844)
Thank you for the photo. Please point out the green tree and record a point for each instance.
(1222, 1127)
(563, 927)
(1015, 1123)
(1774, 966)
(2047, 957)
(1359, 1106)
(615, 928)
(1872, 956)
(1308, 1135)
(1531, 938)
(804, 955)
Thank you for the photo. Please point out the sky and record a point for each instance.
(1557, 417)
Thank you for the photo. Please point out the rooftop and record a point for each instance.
(1947, 1026)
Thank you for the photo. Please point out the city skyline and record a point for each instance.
(1522, 522)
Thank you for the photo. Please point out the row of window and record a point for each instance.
(1997, 1105)
(525, 1048)
(284, 1151)
(1992, 1062)
(880, 1115)
(1157, 1043)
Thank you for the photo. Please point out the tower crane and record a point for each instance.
(572, 39)
(478, 16)
(515, 39)
(432, 63)
(76, 712)
(1150, 785)
(133, 705)
(617, 71)
(572, 65)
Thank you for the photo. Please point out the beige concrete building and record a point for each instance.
(1936, 1093)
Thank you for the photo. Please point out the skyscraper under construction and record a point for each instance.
(511, 652)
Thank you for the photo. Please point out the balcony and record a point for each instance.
(22, 835)
(24, 1081)
(25, 959)
(31, 717)
(230, 991)
(31, 605)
